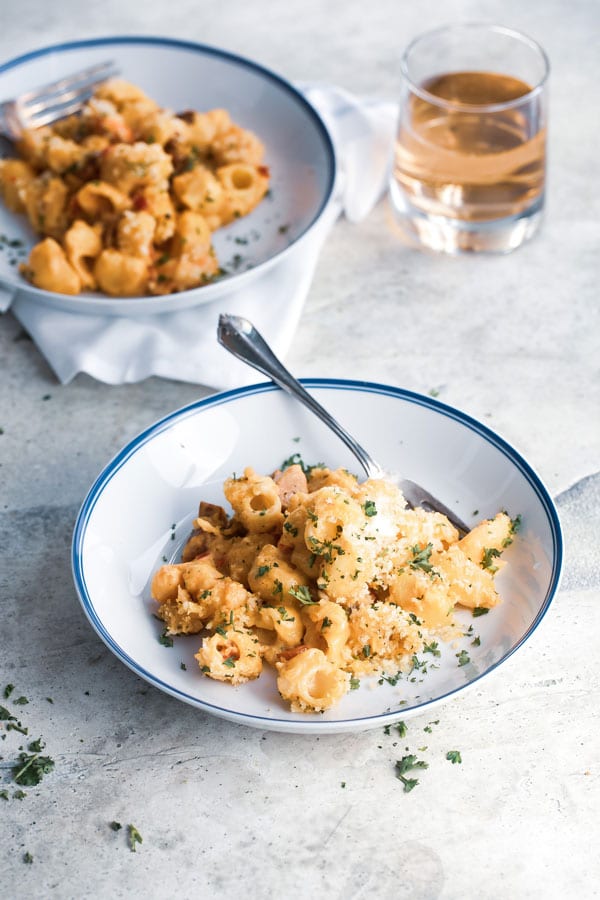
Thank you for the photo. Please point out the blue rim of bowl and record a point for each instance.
(222, 54)
(224, 397)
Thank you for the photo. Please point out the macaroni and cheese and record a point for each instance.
(126, 195)
(324, 578)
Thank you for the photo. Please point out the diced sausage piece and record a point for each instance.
(212, 512)
(289, 482)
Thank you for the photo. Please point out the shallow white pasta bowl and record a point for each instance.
(139, 513)
(180, 76)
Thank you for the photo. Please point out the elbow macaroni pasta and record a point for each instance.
(149, 185)
(324, 578)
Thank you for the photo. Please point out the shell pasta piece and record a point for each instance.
(310, 683)
(49, 268)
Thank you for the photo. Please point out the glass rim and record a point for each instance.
(524, 39)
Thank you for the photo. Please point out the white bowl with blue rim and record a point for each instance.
(181, 75)
(139, 511)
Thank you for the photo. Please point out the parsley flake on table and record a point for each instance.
(134, 837)
(8, 690)
(454, 756)
(27, 857)
(30, 769)
(116, 826)
(409, 762)
(409, 783)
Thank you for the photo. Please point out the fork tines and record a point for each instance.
(65, 96)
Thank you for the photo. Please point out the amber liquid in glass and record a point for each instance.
(467, 163)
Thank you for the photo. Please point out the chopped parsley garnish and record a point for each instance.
(291, 529)
(515, 525)
(30, 769)
(285, 617)
(301, 593)
(27, 857)
(4, 794)
(296, 460)
(354, 683)
(421, 556)
(366, 651)
(489, 553)
(134, 837)
(480, 611)
(409, 783)
(325, 549)
(277, 587)
(21, 701)
(230, 663)
(116, 826)
(409, 762)
(463, 658)
(8, 690)
(165, 639)
(454, 756)
(262, 570)
(432, 648)
(370, 508)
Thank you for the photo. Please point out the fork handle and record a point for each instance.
(241, 338)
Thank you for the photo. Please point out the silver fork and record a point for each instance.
(52, 102)
(241, 338)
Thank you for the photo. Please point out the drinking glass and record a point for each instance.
(470, 154)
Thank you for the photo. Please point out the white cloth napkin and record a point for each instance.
(183, 345)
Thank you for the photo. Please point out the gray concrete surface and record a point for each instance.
(227, 811)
